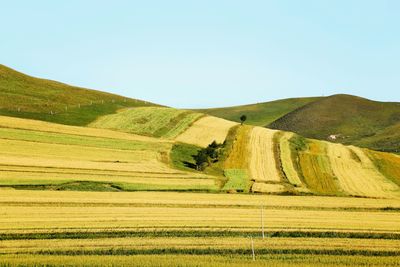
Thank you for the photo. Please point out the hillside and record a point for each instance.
(353, 120)
(124, 189)
(260, 114)
(129, 145)
(47, 156)
(28, 97)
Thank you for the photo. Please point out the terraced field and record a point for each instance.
(75, 158)
(288, 165)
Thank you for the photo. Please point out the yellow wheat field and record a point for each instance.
(267, 188)
(263, 166)
(17, 123)
(286, 159)
(192, 199)
(146, 164)
(359, 177)
(238, 156)
(72, 171)
(28, 148)
(206, 130)
(30, 217)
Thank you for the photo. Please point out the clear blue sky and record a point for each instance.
(208, 53)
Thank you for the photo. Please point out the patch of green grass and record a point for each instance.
(131, 187)
(238, 180)
(114, 187)
(181, 156)
(71, 186)
(93, 234)
(260, 114)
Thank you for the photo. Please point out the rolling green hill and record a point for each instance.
(262, 113)
(353, 120)
(28, 97)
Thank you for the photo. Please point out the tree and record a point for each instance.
(206, 156)
(201, 160)
(243, 118)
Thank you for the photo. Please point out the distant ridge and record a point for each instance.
(260, 114)
(338, 118)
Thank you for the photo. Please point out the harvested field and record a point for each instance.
(286, 159)
(358, 176)
(387, 164)
(34, 212)
(47, 127)
(89, 141)
(238, 156)
(61, 159)
(317, 171)
(206, 130)
(263, 166)
(194, 200)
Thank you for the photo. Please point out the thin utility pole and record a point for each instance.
(262, 221)
(252, 249)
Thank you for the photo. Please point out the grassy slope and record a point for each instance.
(359, 121)
(153, 121)
(28, 97)
(260, 114)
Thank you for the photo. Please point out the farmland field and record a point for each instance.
(136, 184)
(171, 228)
(153, 121)
(77, 158)
(206, 130)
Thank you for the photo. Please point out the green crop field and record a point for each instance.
(153, 121)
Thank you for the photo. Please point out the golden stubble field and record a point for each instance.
(38, 227)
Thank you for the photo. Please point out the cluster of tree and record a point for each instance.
(206, 156)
